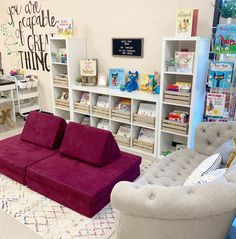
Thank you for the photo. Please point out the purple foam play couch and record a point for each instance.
(41, 137)
(80, 174)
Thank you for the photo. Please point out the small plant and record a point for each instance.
(54, 56)
(79, 80)
(170, 61)
(228, 9)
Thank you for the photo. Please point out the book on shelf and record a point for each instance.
(85, 99)
(124, 105)
(116, 77)
(179, 116)
(88, 67)
(147, 82)
(65, 27)
(103, 101)
(184, 61)
(180, 87)
(215, 105)
(184, 86)
(225, 39)
(64, 96)
(147, 109)
(146, 135)
(186, 22)
(220, 74)
(85, 120)
(103, 124)
(124, 130)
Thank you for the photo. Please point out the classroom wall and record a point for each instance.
(99, 21)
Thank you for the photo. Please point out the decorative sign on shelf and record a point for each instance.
(127, 47)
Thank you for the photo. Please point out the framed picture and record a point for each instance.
(102, 80)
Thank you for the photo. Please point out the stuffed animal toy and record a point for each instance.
(132, 84)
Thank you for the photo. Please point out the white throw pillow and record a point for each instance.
(208, 165)
(210, 177)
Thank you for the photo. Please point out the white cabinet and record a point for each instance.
(193, 103)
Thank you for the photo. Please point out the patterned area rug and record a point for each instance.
(52, 220)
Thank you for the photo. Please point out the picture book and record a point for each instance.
(147, 109)
(85, 99)
(65, 27)
(103, 124)
(124, 131)
(116, 78)
(215, 105)
(124, 105)
(103, 101)
(88, 67)
(186, 22)
(146, 135)
(184, 61)
(85, 120)
(225, 39)
(220, 74)
(147, 82)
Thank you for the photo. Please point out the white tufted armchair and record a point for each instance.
(157, 206)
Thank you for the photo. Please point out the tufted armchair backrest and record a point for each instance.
(210, 136)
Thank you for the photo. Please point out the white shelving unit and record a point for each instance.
(114, 96)
(76, 51)
(26, 98)
(201, 46)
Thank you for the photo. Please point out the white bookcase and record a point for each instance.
(76, 51)
(201, 46)
(114, 96)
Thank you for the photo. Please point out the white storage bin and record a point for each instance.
(22, 84)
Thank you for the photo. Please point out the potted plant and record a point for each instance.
(170, 64)
(228, 10)
(79, 80)
(54, 56)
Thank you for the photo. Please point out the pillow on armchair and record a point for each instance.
(211, 176)
(226, 150)
(208, 165)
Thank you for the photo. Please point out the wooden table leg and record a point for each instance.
(6, 117)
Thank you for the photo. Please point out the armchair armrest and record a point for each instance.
(160, 202)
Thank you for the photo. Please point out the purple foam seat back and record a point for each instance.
(89, 144)
(43, 129)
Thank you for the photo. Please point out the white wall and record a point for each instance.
(99, 21)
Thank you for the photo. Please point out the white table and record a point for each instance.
(6, 85)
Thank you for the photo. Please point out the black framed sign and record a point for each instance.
(132, 47)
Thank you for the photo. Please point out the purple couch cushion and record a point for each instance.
(16, 155)
(80, 180)
(89, 144)
(44, 130)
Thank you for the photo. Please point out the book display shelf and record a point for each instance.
(181, 110)
(121, 113)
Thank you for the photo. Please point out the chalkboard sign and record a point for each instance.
(127, 47)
